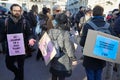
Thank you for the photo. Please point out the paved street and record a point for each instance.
(37, 70)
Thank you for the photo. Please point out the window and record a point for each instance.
(36, 0)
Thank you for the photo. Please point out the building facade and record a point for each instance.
(73, 5)
(40, 3)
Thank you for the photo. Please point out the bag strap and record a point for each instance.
(24, 24)
(106, 26)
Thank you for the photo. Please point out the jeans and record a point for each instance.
(118, 71)
(94, 74)
(109, 71)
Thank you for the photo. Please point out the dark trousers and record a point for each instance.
(55, 77)
(94, 74)
(17, 69)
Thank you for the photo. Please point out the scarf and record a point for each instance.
(15, 19)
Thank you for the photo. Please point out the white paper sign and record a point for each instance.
(47, 48)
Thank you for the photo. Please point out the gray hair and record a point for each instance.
(55, 7)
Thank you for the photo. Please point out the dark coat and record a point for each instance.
(117, 26)
(89, 62)
(32, 19)
(12, 28)
(78, 16)
(1, 30)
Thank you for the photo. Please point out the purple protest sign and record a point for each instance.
(47, 48)
(16, 44)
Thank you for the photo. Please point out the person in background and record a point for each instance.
(32, 17)
(80, 14)
(84, 19)
(114, 16)
(69, 20)
(56, 10)
(49, 22)
(43, 18)
(117, 31)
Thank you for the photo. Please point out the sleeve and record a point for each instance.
(116, 27)
(82, 21)
(84, 34)
(112, 31)
(28, 31)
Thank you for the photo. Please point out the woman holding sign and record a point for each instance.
(61, 64)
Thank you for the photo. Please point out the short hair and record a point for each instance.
(115, 11)
(34, 8)
(88, 10)
(55, 7)
(45, 10)
(98, 11)
(80, 7)
(11, 8)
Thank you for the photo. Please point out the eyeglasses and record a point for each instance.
(58, 10)
(17, 10)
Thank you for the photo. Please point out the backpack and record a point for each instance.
(104, 28)
(56, 45)
(54, 40)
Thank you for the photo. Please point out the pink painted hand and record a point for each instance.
(32, 42)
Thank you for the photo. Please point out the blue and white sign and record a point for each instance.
(106, 47)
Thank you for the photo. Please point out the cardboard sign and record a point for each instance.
(102, 46)
(16, 44)
(47, 48)
(106, 47)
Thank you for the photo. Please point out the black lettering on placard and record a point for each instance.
(16, 45)
(15, 39)
(16, 51)
(106, 45)
(15, 48)
(104, 54)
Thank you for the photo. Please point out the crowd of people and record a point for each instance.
(33, 24)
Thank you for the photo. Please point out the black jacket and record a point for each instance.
(32, 19)
(117, 26)
(89, 62)
(78, 16)
(19, 27)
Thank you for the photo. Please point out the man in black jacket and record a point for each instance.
(15, 25)
(94, 66)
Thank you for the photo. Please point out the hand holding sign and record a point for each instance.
(32, 42)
